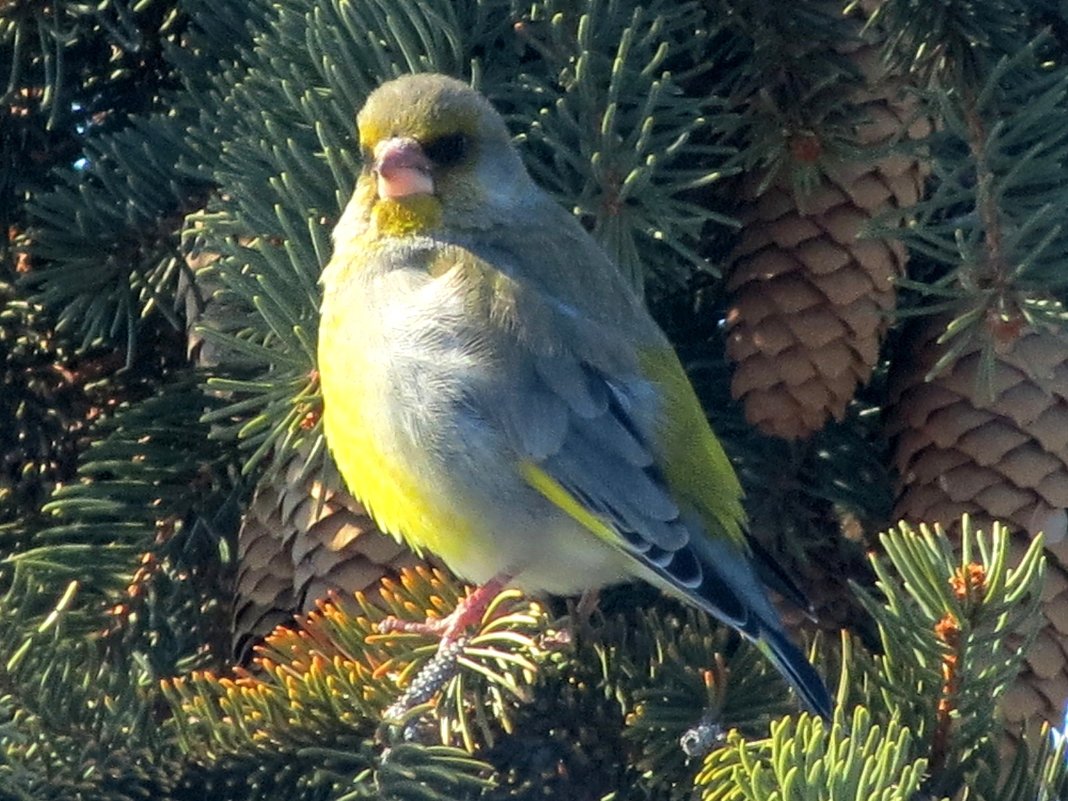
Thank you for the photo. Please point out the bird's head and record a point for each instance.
(436, 155)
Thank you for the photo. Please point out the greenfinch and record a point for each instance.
(496, 393)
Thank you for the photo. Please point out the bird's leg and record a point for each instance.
(450, 628)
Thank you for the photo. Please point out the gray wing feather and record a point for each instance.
(539, 421)
(604, 458)
(609, 435)
(567, 378)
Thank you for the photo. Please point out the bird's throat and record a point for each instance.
(404, 216)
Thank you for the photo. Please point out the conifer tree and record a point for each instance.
(847, 217)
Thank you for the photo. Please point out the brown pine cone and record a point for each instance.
(996, 452)
(300, 540)
(811, 296)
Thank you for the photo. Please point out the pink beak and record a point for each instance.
(402, 169)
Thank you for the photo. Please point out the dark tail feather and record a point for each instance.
(774, 577)
(793, 665)
(730, 590)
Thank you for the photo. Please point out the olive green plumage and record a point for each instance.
(497, 394)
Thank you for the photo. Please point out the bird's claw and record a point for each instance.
(431, 627)
(449, 629)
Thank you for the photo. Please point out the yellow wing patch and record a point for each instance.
(565, 501)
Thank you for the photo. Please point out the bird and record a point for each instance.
(497, 393)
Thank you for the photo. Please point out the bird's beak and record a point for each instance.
(402, 169)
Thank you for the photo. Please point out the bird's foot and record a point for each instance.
(451, 632)
(451, 628)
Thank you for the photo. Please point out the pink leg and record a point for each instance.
(466, 614)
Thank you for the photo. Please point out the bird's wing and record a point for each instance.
(606, 426)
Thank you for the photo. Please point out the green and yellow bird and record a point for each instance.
(496, 393)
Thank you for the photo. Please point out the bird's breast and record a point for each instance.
(392, 370)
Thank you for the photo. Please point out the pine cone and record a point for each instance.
(300, 540)
(810, 298)
(1001, 457)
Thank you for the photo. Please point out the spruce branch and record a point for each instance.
(806, 759)
(77, 720)
(1038, 771)
(618, 136)
(146, 518)
(49, 394)
(695, 686)
(329, 679)
(426, 773)
(108, 233)
(951, 43)
(795, 92)
(943, 625)
(53, 48)
(988, 224)
(335, 674)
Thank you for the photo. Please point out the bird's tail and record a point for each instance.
(730, 590)
(792, 664)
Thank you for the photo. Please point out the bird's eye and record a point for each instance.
(446, 150)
